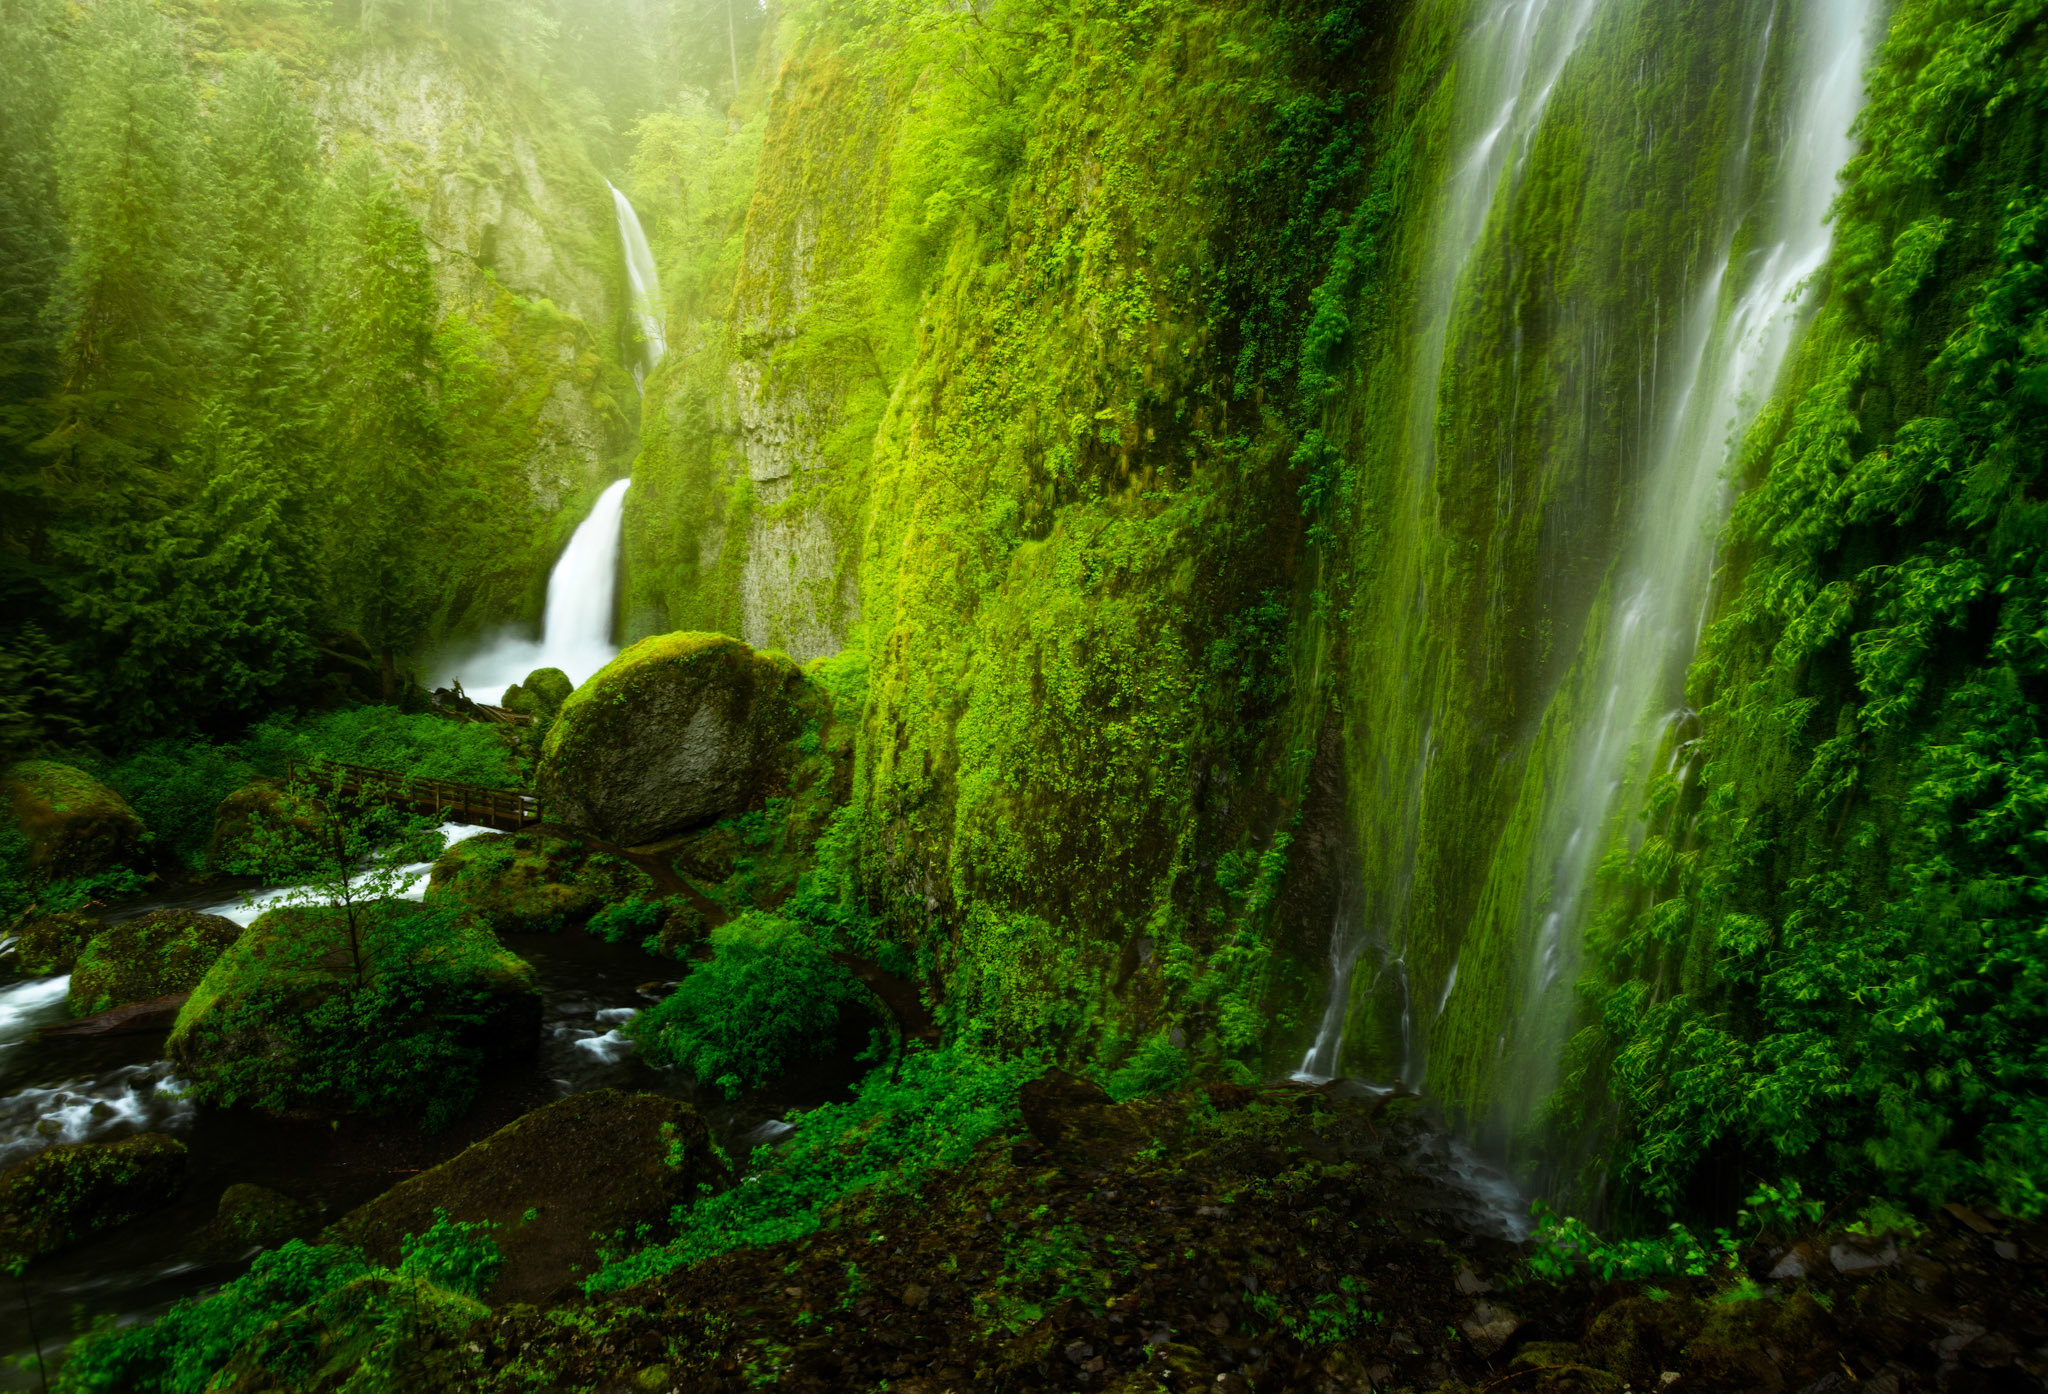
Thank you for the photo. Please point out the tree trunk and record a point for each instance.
(732, 45)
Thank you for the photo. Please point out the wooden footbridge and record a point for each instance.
(505, 809)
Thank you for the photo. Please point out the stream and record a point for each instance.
(64, 1090)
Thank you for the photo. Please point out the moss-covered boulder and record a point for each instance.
(397, 1015)
(541, 695)
(264, 804)
(52, 943)
(65, 1194)
(75, 825)
(250, 1214)
(533, 882)
(150, 956)
(589, 1165)
(381, 1331)
(676, 731)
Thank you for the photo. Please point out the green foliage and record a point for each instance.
(183, 1350)
(627, 921)
(1155, 1067)
(770, 997)
(428, 747)
(1869, 996)
(933, 1114)
(175, 786)
(1565, 1245)
(1328, 1318)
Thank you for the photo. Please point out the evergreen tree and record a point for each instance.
(31, 251)
(44, 705)
(125, 154)
(198, 616)
(383, 424)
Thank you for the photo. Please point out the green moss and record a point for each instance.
(52, 943)
(75, 826)
(68, 1193)
(532, 882)
(150, 956)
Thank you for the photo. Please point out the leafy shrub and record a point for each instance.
(1154, 1067)
(175, 786)
(770, 997)
(1564, 1245)
(629, 921)
(182, 1351)
(430, 747)
(934, 1114)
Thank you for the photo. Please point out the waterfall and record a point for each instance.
(643, 289)
(576, 628)
(1512, 61)
(1736, 336)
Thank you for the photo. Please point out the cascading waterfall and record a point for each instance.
(643, 286)
(1514, 57)
(1736, 336)
(576, 629)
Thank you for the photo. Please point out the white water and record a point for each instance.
(576, 630)
(1736, 338)
(244, 908)
(643, 286)
(1509, 65)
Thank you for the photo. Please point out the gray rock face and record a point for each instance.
(679, 730)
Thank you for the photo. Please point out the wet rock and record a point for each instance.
(1850, 1255)
(1490, 1327)
(264, 823)
(149, 957)
(133, 1019)
(379, 1320)
(1076, 1118)
(1470, 1283)
(1797, 1262)
(676, 731)
(588, 1165)
(75, 825)
(533, 882)
(52, 943)
(250, 1214)
(67, 1193)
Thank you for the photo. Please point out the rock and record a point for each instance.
(590, 1164)
(1470, 1283)
(75, 825)
(270, 1025)
(675, 732)
(378, 1320)
(260, 802)
(52, 943)
(250, 1214)
(1798, 1261)
(1076, 1117)
(134, 1019)
(150, 956)
(68, 1193)
(541, 695)
(1851, 1256)
(534, 881)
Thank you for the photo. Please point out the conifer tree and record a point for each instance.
(383, 424)
(31, 250)
(125, 153)
(199, 616)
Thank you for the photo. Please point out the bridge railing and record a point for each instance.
(507, 809)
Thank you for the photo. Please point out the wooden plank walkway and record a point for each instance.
(504, 809)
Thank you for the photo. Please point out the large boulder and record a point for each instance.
(675, 732)
(554, 1182)
(150, 956)
(397, 1015)
(75, 825)
(52, 943)
(298, 828)
(67, 1193)
(533, 882)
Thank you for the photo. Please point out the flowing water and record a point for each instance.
(1736, 336)
(1510, 66)
(576, 629)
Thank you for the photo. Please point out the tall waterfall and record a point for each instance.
(1633, 408)
(576, 629)
(1515, 56)
(643, 289)
(1734, 339)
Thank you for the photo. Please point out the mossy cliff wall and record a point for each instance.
(1237, 464)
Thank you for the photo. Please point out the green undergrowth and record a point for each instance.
(182, 1351)
(770, 998)
(930, 1114)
